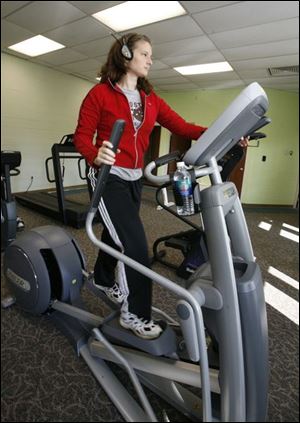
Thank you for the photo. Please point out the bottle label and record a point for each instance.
(184, 187)
(177, 195)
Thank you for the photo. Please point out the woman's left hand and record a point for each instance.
(244, 142)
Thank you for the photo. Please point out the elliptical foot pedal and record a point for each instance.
(163, 345)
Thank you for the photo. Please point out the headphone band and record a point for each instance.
(125, 50)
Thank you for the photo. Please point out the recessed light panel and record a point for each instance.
(36, 46)
(132, 14)
(205, 68)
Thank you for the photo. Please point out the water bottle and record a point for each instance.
(183, 191)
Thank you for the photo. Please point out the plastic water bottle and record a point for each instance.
(183, 191)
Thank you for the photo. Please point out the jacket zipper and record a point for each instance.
(135, 131)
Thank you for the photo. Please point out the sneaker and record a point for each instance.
(114, 293)
(20, 224)
(141, 327)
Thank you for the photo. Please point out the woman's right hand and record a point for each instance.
(105, 154)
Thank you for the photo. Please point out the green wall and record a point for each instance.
(274, 181)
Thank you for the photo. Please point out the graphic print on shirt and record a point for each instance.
(137, 113)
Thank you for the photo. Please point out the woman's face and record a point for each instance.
(142, 59)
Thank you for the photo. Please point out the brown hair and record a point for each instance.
(115, 67)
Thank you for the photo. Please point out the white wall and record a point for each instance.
(39, 106)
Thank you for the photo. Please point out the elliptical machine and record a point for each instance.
(225, 303)
(10, 161)
(192, 243)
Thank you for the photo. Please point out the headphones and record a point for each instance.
(125, 50)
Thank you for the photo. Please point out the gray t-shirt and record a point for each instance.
(137, 113)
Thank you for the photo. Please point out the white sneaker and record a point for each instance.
(114, 293)
(141, 327)
(20, 224)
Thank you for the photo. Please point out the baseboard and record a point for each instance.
(274, 208)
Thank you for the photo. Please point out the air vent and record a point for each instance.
(284, 71)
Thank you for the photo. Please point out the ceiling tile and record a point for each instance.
(92, 74)
(177, 87)
(170, 80)
(277, 48)
(163, 73)
(158, 65)
(200, 6)
(42, 16)
(12, 34)
(79, 32)
(260, 34)
(217, 76)
(245, 14)
(182, 47)
(282, 79)
(253, 73)
(220, 85)
(91, 7)
(83, 65)
(62, 57)
(7, 7)
(194, 59)
(251, 36)
(288, 85)
(170, 30)
(267, 62)
(95, 48)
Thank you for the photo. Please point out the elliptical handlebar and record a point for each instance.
(160, 161)
(155, 179)
(204, 169)
(115, 137)
(164, 179)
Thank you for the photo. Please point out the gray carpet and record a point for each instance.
(43, 380)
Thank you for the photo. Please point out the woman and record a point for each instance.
(125, 93)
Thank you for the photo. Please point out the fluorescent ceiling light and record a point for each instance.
(132, 14)
(36, 46)
(206, 68)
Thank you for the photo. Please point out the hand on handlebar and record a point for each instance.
(105, 154)
(244, 142)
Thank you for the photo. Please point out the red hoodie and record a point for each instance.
(104, 104)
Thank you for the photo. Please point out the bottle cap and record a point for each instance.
(180, 164)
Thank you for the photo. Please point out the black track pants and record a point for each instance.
(124, 231)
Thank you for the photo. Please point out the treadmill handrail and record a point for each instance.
(47, 170)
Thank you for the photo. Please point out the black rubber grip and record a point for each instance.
(103, 173)
(167, 158)
(256, 136)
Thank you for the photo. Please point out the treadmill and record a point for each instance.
(54, 203)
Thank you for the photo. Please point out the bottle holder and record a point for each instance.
(196, 196)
